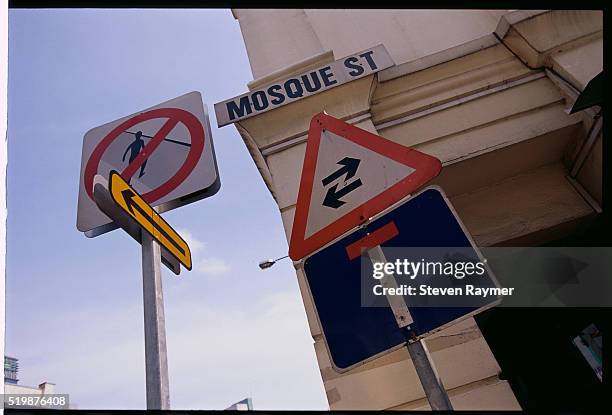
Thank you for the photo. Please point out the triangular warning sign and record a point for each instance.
(348, 176)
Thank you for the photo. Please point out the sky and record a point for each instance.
(73, 304)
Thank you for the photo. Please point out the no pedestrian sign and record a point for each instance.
(165, 153)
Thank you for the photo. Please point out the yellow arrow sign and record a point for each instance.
(135, 206)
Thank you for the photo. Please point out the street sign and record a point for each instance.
(165, 152)
(355, 331)
(134, 205)
(299, 86)
(166, 159)
(348, 176)
(124, 220)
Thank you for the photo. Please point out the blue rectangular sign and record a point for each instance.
(355, 333)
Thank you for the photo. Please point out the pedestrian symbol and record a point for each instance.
(135, 148)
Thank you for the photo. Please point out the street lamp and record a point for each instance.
(267, 263)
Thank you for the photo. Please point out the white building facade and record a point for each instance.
(487, 93)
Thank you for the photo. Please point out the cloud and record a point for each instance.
(195, 244)
(263, 350)
(217, 355)
(213, 266)
(203, 264)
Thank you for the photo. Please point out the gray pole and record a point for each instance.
(424, 365)
(156, 357)
(430, 380)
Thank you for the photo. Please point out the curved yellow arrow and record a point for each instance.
(134, 205)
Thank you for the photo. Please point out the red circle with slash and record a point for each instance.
(174, 116)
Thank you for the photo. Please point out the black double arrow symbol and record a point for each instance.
(333, 195)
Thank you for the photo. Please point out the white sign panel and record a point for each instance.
(347, 175)
(165, 152)
(301, 86)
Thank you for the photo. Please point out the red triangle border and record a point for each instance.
(426, 168)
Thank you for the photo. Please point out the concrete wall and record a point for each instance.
(491, 106)
(278, 38)
(45, 388)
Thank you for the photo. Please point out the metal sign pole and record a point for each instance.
(430, 380)
(423, 364)
(156, 356)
